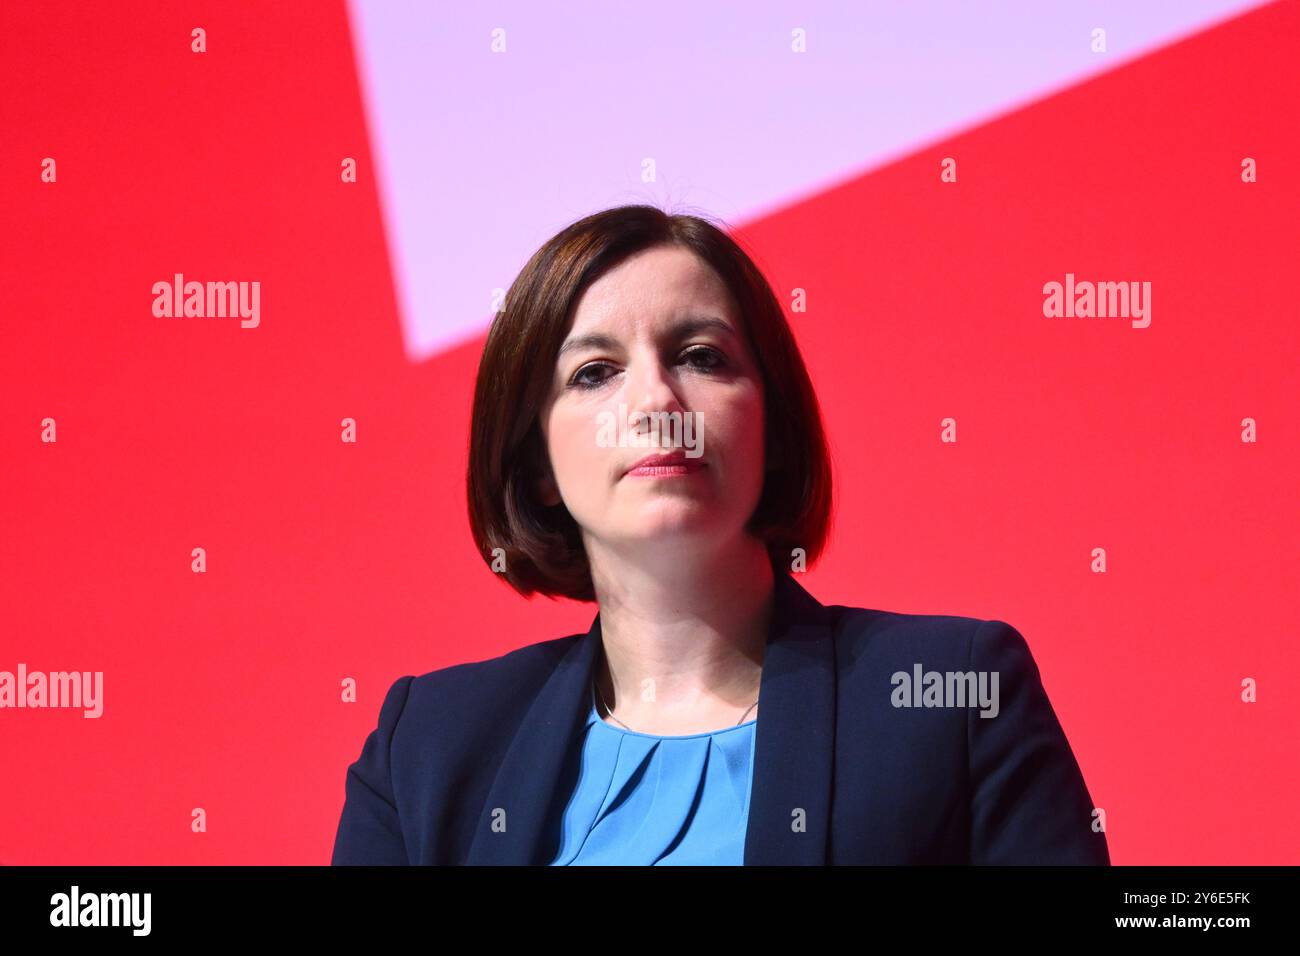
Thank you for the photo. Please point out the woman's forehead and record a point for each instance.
(659, 280)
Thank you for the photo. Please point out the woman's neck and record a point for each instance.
(683, 646)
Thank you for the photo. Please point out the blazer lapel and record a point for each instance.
(790, 801)
(524, 788)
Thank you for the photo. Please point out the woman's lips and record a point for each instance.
(666, 466)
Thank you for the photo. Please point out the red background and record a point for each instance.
(328, 560)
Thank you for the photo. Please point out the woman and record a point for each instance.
(645, 436)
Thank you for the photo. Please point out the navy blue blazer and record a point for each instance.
(473, 764)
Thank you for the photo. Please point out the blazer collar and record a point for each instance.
(790, 800)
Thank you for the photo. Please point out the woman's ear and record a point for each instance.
(771, 454)
(545, 487)
(548, 493)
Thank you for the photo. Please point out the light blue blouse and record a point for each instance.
(647, 800)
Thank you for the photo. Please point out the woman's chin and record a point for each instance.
(673, 528)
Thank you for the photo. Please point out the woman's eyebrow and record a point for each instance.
(680, 329)
(594, 340)
(700, 323)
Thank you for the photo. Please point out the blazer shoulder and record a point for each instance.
(1027, 799)
(457, 686)
(874, 632)
(435, 735)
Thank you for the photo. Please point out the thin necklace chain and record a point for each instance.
(610, 714)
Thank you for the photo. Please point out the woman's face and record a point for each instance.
(637, 345)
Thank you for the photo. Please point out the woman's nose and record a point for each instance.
(651, 388)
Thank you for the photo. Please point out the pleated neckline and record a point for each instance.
(595, 717)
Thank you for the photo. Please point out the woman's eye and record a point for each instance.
(580, 381)
(711, 359)
(711, 355)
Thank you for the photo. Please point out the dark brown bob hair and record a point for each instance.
(542, 546)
